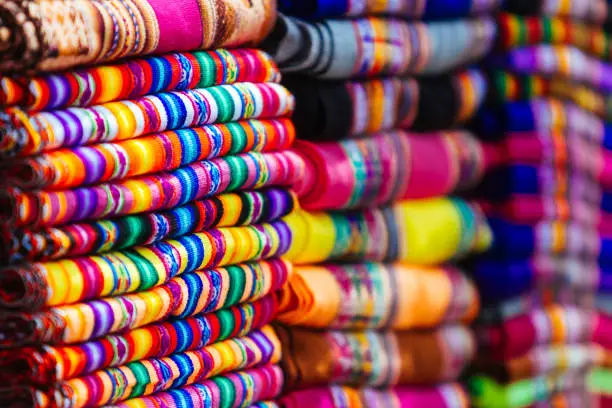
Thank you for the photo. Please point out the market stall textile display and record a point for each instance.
(55, 34)
(366, 47)
(137, 77)
(333, 110)
(388, 166)
(376, 296)
(597, 12)
(443, 396)
(420, 232)
(94, 237)
(373, 358)
(183, 296)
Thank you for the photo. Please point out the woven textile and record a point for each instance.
(521, 394)
(388, 166)
(30, 133)
(506, 86)
(366, 47)
(370, 295)
(419, 232)
(87, 165)
(547, 360)
(377, 359)
(516, 31)
(235, 390)
(553, 60)
(57, 34)
(332, 110)
(600, 381)
(426, 10)
(137, 77)
(67, 281)
(225, 210)
(543, 115)
(443, 396)
(44, 365)
(595, 11)
(146, 377)
(202, 179)
(182, 297)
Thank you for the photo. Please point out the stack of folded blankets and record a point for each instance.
(373, 315)
(545, 331)
(142, 204)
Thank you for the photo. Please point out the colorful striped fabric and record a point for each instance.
(225, 210)
(45, 365)
(419, 232)
(332, 110)
(426, 10)
(367, 47)
(58, 34)
(594, 11)
(149, 376)
(136, 78)
(169, 150)
(139, 268)
(441, 396)
(235, 390)
(506, 86)
(375, 359)
(377, 296)
(521, 394)
(547, 360)
(517, 31)
(552, 60)
(388, 166)
(167, 190)
(27, 134)
(183, 296)
(543, 115)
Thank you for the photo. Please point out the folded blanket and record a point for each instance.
(441, 396)
(183, 296)
(332, 110)
(563, 61)
(571, 239)
(44, 365)
(560, 149)
(55, 283)
(388, 166)
(169, 150)
(501, 279)
(426, 10)
(56, 34)
(137, 77)
(159, 191)
(542, 114)
(146, 377)
(594, 11)
(224, 210)
(418, 232)
(507, 86)
(366, 47)
(25, 134)
(370, 358)
(600, 381)
(518, 31)
(546, 360)
(233, 390)
(554, 324)
(377, 296)
(486, 392)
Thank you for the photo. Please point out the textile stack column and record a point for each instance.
(374, 314)
(545, 283)
(142, 203)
